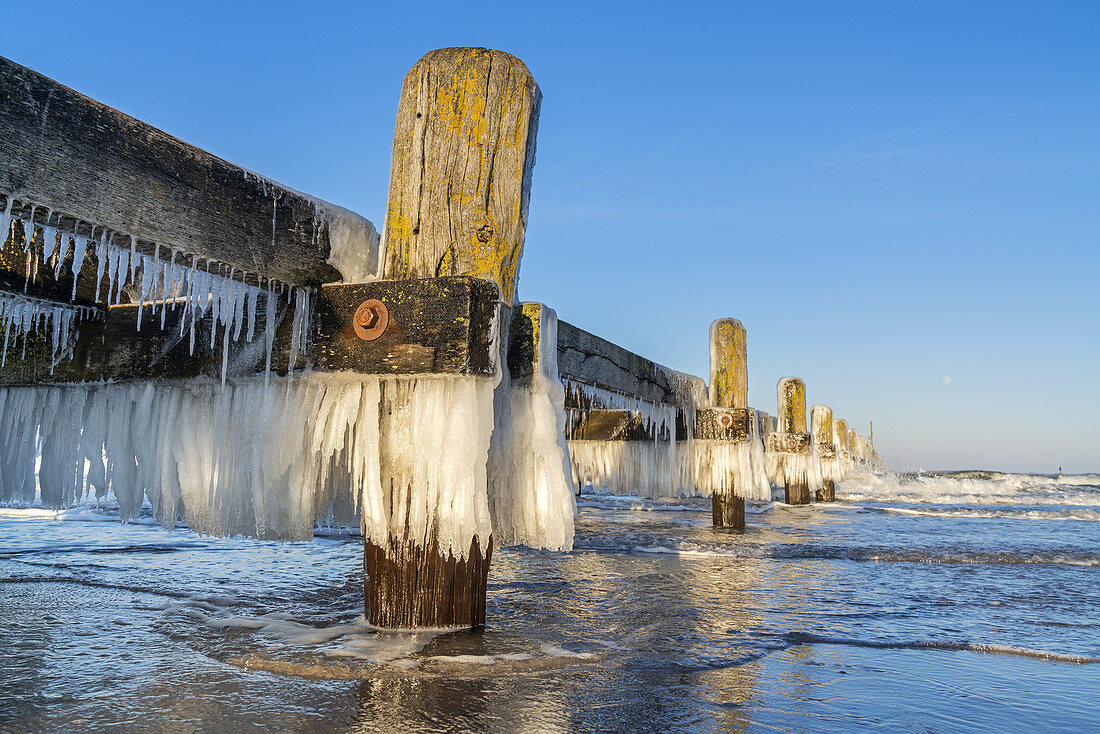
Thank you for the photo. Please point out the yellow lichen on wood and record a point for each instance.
(821, 422)
(792, 405)
(840, 434)
(729, 377)
(463, 150)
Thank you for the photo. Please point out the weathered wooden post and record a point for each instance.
(789, 459)
(729, 388)
(460, 182)
(821, 423)
(840, 438)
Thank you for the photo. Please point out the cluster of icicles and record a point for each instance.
(20, 316)
(167, 281)
(664, 466)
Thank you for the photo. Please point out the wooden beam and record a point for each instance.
(788, 443)
(723, 424)
(90, 163)
(111, 348)
(441, 326)
(608, 425)
(585, 357)
(460, 180)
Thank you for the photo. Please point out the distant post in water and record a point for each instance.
(821, 425)
(840, 438)
(460, 181)
(729, 382)
(789, 447)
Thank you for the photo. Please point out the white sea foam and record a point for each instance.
(972, 488)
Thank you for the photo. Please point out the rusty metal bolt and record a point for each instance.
(726, 420)
(371, 319)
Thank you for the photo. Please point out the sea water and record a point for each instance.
(960, 602)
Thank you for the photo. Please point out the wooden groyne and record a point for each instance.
(184, 332)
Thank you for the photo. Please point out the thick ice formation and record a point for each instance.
(721, 466)
(784, 468)
(408, 455)
(22, 315)
(664, 466)
(262, 460)
(530, 492)
(659, 467)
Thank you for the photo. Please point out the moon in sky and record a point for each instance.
(946, 380)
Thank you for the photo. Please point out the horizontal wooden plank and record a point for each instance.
(723, 424)
(435, 326)
(112, 348)
(91, 163)
(788, 443)
(590, 359)
(586, 358)
(608, 425)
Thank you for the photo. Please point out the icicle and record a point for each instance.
(253, 296)
(28, 229)
(49, 239)
(101, 255)
(530, 488)
(240, 294)
(299, 331)
(269, 332)
(5, 221)
(133, 256)
(21, 315)
(80, 245)
(62, 252)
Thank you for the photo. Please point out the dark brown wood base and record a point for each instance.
(728, 510)
(827, 493)
(798, 493)
(412, 586)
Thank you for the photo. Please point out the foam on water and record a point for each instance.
(973, 489)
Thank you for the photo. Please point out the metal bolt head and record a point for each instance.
(366, 317)
(370, 319)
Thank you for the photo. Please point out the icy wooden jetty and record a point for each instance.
(248, 358)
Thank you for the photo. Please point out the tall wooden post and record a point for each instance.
(460, 182)
(792, 420)
(729, 388)
(821, 425)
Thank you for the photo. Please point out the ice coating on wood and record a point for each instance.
(267, 457)
(824, 448)
(793, 469)
(644, 468)
(733, 467)
(530, 487)
(21, 316)
(262, 460)
(354, 247)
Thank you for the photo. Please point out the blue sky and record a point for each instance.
(887, 194)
